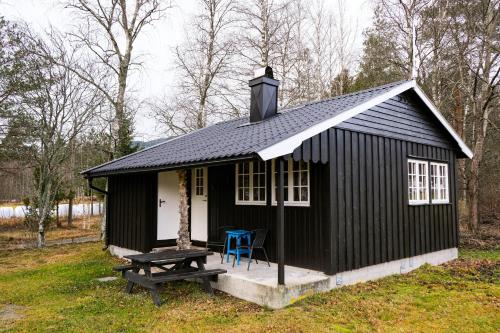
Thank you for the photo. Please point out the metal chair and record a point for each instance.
(258, 243)
(221, 240)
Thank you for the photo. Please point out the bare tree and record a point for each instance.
(261, 23)
(107, 35)
(341, 39)
(204, 63)
(289, 51)
(53, 115)
(404, 17)
(482, 90)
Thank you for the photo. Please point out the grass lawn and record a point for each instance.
(55, 289)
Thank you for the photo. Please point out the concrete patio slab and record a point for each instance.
(260, 283)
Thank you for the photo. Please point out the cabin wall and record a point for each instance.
(131, 211)
(372, 221)
(305, 227)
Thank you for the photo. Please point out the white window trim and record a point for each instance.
(290, 188)
(447, 199)
(250, 202)
(427, 183)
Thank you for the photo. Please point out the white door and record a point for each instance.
(168, 205)
(199, 227)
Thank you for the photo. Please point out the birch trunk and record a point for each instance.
(183, 241)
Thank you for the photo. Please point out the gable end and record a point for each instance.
(402, 117)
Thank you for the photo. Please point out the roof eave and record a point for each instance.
(288, 145)
(107, 173)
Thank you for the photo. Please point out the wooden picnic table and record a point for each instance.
(174, 265)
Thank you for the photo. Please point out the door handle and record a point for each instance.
(162, 201)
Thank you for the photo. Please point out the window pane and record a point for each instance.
(296, 196)
(255, 195)
(303, 178)
(303, 194)
(296, 179)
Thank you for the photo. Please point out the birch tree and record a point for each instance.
(107, 35)
(49, 117)
(203, 91)
(261, 21)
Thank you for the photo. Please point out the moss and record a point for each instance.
(56, 289)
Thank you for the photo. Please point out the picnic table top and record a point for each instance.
(168, 255)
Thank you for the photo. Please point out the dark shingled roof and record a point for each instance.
(237, 138)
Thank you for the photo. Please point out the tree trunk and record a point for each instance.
(45, 200)
(91, 204)
(41, 234)
(58, 222)
(183, 241)
(70, 210)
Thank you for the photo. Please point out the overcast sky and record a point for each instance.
(155, 45)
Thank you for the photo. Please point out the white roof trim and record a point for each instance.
(288, 145)
(466, 150)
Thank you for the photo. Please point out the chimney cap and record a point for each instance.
(266, 71)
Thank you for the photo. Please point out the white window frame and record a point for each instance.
(251, 201)
(290, 186)
(418, 201)
(436, 185)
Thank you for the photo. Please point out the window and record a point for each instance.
(296, 186)
(439, 183)
(418, 183)
(199, 187)
(251, 183)
(259, 181)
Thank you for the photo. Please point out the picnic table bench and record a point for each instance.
(175, 265)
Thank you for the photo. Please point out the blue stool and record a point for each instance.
(238, 235)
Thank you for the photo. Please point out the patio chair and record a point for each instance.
(258, 243)
(221, 240)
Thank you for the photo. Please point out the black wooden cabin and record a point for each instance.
(369, 177)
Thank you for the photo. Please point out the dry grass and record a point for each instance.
(14, 232)
(486, 238)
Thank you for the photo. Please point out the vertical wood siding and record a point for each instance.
(305, 227)
(372, 220)
(131, 211)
